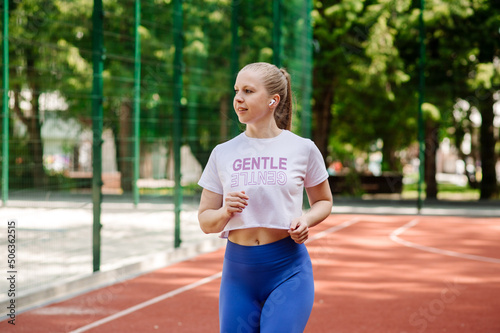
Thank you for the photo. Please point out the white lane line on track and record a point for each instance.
(148, 303)
(332, 230)
(192, 285)
(394, 236)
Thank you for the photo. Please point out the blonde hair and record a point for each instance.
(276, 81)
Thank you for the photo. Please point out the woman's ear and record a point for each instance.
(275, 100)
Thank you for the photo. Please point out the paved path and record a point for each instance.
(54, 242)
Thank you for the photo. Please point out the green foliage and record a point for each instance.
(51, 52)
(366, 62)
(431, 112)
(363, 67)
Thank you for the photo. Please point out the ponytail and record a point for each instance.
(283, 113)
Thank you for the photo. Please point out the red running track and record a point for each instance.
(374, 274)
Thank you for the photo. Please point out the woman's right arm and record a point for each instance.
(213, 215)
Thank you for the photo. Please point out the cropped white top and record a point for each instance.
(273, 173)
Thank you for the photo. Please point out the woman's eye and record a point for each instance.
(247, 91)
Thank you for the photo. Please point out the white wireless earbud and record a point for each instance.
(272, 102)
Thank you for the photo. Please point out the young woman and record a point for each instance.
(252, 195)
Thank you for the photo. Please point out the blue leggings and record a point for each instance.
(266, 288)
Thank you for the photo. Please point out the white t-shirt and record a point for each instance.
(273, 173)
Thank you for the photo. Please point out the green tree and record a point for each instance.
(366, 74)
(458, 49)
(359, 76)
(337, 42)
(485, 81)
(39, 37)
(445, 67)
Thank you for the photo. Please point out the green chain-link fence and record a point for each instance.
(144, 86)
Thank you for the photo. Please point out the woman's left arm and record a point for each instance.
(320, 200)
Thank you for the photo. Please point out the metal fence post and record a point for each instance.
(307, 70)
(235, 64)
(137, 100)
(97, 125)
(421, 88)
(277, 32)
(5, 127)
(177, 129)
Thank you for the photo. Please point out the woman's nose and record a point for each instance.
(238, 98)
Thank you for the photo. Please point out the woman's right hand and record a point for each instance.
(235, 202)
(214, 213)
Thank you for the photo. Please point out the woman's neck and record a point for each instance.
(262, 133)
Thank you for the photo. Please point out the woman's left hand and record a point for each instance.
(299, 231)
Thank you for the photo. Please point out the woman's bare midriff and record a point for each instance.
(257, 236)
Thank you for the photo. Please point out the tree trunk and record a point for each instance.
(125, 162)
(194, 118)
(224, 116)
(431, 146)
(170, 160)
(389, 162)
(33, 123)
(322, 117)
(489, 186)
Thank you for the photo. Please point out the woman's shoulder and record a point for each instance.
(297, 139)
(300, 145)
(229, 144)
